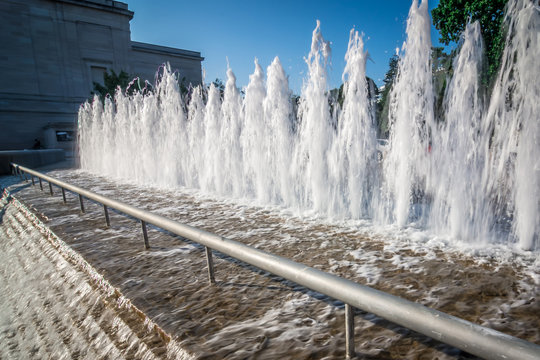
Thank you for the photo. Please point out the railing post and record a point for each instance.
(64, 195)
(33, 182)
(20, 172)
(81, 202)
(349, 332)
(145, 235)
(210, 263)
(106, 211)
(40, 184)
(50, 188)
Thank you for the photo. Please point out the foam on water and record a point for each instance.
(54, 304)
(244, 314)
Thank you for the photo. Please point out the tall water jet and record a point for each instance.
(353, 165)
(315, 130)
(279, 117)
(231, 116)
(460, 148)
(87, 118)
(211, 155)
(514, 114)
(196, 131)
(411, 120)
(123, 147)
(256, 148)
(169, 131)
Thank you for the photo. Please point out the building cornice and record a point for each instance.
(165, 50)
(105, 5)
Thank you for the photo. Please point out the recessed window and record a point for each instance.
(97, 74)
(65, 136)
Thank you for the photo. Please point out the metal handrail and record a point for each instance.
(472, 338)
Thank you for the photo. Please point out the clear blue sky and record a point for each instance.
(242, 30)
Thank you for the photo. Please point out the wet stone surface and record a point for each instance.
(252, 314)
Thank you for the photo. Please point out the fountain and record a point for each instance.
(472, 177)
(411, 121)
(513, 113)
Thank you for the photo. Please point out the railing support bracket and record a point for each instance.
(145, 234)
(81, 202)
(210, 264)
(106, 211)
(349, 332)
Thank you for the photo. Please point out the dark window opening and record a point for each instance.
(65, 136)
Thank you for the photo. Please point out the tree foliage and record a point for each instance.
(390, 77)
(451, 16)
(441, 64)
(111, 82)
(220, 86)
(384, 103)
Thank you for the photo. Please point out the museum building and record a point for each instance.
(51, 53)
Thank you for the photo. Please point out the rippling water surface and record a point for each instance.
(54, 305)
(250, 313)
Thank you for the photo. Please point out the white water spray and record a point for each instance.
(460, 149)
(310, 165)
(513, 117)
(353, 168)
(411, 119)
(474, 176)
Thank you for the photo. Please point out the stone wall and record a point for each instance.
(146, 58)
(53, 50)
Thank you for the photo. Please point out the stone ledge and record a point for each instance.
(107, 5)
(30, 158)
(165, 50)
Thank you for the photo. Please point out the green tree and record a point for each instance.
(220, 86)
(110, 83)
(383, 103)
(441, 63)
(451, 16)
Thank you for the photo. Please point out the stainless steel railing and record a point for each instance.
(472, 338)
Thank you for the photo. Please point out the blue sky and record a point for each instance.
(241, 31)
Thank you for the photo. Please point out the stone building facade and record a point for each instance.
(51, 52)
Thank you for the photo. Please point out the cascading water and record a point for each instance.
(513, 118)
(256, 165)
(310, 164)
(353, 172)
(278, 112)
(411, 119)
(460, 149)
(210, 141)
(231, 173)
(474, 175)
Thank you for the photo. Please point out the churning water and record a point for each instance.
(247, 313)
(54, 305)
(473, 176)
